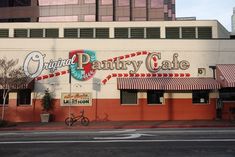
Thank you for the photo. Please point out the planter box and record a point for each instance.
(45, 117)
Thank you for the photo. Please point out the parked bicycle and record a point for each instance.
(69, 121)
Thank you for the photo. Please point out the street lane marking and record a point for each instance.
(126, 136)
(117, 131)
(117, 141)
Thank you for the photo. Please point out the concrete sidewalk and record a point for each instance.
(118, 125)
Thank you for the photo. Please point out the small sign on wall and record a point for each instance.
(76, 99)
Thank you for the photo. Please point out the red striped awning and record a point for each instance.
(225, 74)
(167, 83)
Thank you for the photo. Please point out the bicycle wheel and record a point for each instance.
(69, 121)
(85, 121)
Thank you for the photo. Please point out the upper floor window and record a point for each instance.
(204, 32)
(20, 33)
(188, 32)
(157, 4)
(4, 33)
(52, 33)
(153, 33)
(89, 1)
(106, 2)
(140, 3)
(137, 33)
(121, 32)
(89, 18)
(14, 3)
(122, 3)
(56, 2)
(173, 33)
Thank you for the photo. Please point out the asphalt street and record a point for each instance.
(210, 142)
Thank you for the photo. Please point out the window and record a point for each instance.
(86, 33)
(16, 20)
(123, 18)
(121, 32)
(89, 18)
(56, 2)
(153, 33)
(137, 33)
(1, 97)
(122, 3)
(188, 32)
(4, 33)
(155, 97)
(106, 2)
(106, 18)
(204, 32)
(70, 32)
(172, 33)
(227, 94)
(24, 97)
(200, 97)
(52, 33)
(89, 1)
(128, 97)
(14, 3)
(102, 33)
(140, 3)
(36, 33)
(156, 4)
(20, 33)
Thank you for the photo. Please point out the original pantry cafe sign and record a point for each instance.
(83, 64)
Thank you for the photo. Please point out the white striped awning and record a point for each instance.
(167, 83)
(225, 74)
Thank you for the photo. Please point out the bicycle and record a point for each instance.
(69, 121)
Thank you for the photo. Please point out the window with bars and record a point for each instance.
(200, 97)
(52, 33)
(128, 97)
(137, 33)
(20, 33)
(121, 33)
(102, 32)
(86, 33)
(4, 33)
(36, 33)
(153, 33)
(155, 97)
(70, 32)
(24, 97)
(188, 32)
(173, 33)
(1, 97)
(204, 32)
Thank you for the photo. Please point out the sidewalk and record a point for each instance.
(118, 125)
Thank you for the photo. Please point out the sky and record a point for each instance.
(220, 10)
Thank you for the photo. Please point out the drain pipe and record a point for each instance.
(213, 68)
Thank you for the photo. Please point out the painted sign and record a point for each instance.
(76, 99)
(83, 64)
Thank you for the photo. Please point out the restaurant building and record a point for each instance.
(121, 71)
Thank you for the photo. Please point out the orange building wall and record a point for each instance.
(111, 109)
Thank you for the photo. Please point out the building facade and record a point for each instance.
(86, 10)
(122, 70)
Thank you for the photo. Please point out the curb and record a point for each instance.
(53, 128)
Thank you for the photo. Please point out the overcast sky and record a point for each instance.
(221, 10)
